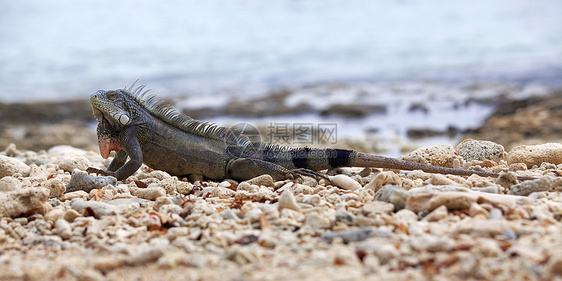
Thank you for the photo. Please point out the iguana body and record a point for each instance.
(137, 126)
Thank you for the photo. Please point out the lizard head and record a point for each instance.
(112, 110)
(112, 106)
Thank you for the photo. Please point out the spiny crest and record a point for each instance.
(270, 147)
(168, 114)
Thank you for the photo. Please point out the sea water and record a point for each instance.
(66, 49)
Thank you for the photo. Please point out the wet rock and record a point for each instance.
(536, 154)
(345, 182)
(11, 166)
(81, 180)
(478, 150)
(353, 110)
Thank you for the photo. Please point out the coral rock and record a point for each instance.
(443, 155)
(24, 202)
(10, 166)
(536, 154)
(345, 182)
(471, 150)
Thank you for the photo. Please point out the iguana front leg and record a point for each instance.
(117, 162)
(246, 168)
(118, 168)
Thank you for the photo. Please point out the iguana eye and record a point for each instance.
(111, 95)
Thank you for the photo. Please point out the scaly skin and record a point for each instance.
(146, 131)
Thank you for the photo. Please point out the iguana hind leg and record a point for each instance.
(246, 168)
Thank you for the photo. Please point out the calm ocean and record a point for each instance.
(66, 49)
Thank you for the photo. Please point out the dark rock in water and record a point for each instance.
(353, 110)
(421, 133)
(514, 121)
(45, 112)
(418, 107)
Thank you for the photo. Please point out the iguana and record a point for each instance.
(136, 125)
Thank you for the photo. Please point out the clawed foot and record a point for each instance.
(297, 173)
(99, 171)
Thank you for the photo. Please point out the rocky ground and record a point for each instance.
(58, 223)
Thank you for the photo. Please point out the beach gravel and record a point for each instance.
(363, 224)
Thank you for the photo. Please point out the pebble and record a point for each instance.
(382, 179)
(63, 229)
(287, 200)
(265, 180)
(150, 193)
(11, 166)
(358, 234)
(55, 186)
(429, 201)
(532, 155)
(55, 214)
(479, 150)
(24, 201)
(345, 216)
(81, 180)
(506, 180)
(345, 182)
(9, 183)
(316, 221)
(394, 195)
(527, 187)
(438, 214)
(69, 163)
(443, 155)
(142, 257)
(98, 208)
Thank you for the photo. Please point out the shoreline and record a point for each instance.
(395, 117)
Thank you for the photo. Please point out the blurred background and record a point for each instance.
(391, 75)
